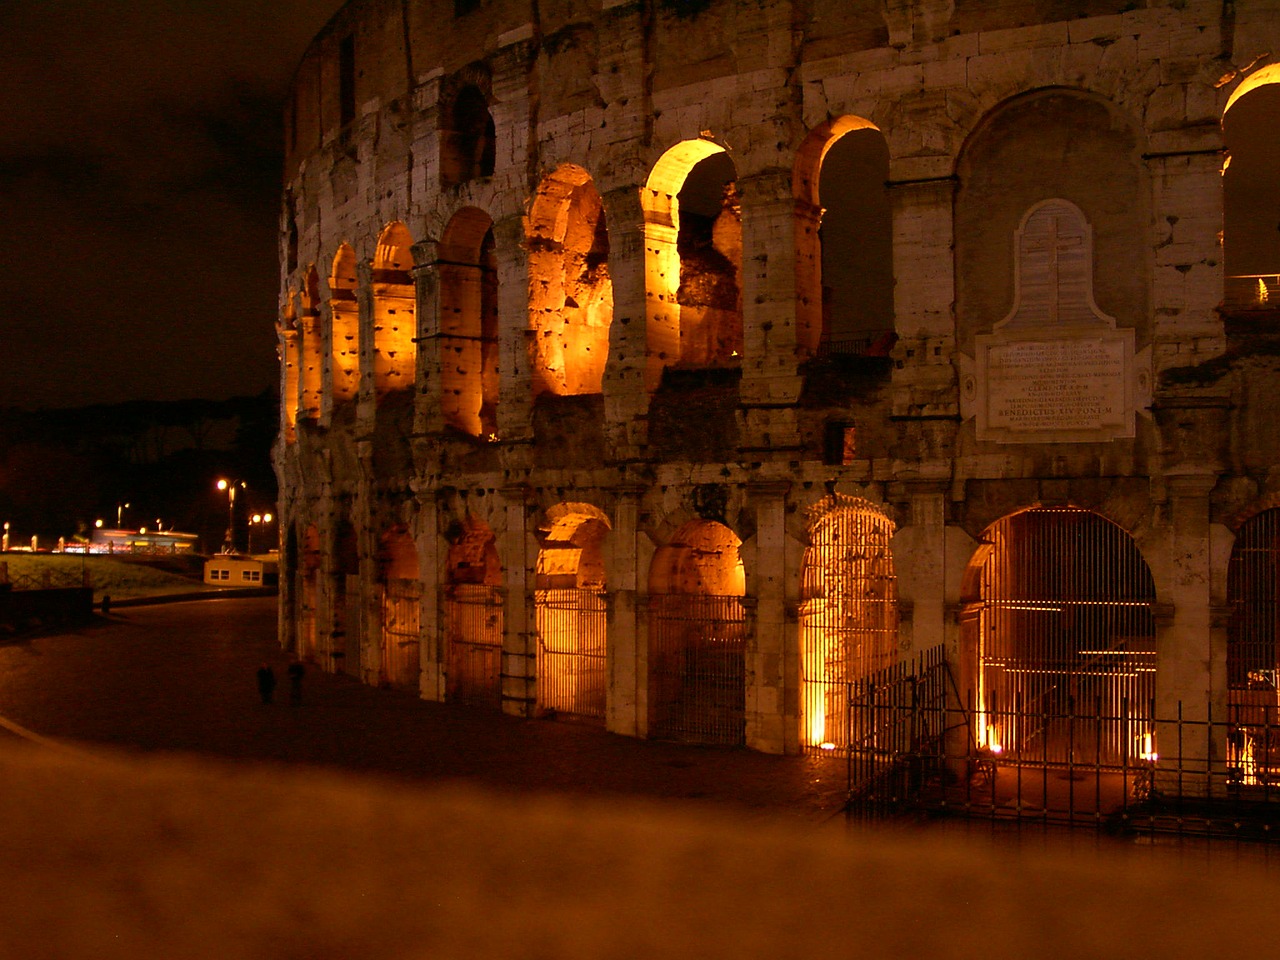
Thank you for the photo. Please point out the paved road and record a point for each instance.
(181, 677)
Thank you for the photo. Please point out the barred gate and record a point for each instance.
(473, 630)
(401, 635)
(570, 624)
(307, 617)
(1253, 655)
(1066, 640)
(697, 668)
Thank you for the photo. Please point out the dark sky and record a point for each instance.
(140, 182)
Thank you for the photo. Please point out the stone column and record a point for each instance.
(1183, 648)
(366, 401)
(518, 550)
(627, 659)
(428, 417)
(770, 381)
(515, 404)
(431, 680)
(920, 564)
(626, 400)
(773, 653)
(367, 539)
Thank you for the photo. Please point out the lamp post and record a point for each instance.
(230, 487)
(120, 508)
(257, 520)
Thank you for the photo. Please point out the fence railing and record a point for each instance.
(912, 749)
(45, 579)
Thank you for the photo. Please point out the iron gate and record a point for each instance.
(307, 617)
(473, 629)
(697, 668)
(1067, 640)
(1253, 660)
(401, 605)
(848, 615)
(571, 651)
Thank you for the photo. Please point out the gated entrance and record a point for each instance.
(848, 612)
(399, 664)
(1066, 641)
(569, 613)
(697, 637)
(472, 618)
(1253, 656)
(309, 599)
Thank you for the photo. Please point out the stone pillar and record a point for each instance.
(325, 320)
(366, 401)
(770, 382)
(1183, 648)
(920, 563)
(515, 404)
(431, 680)
(773, 652)
(626, 400)
(518, 551)
(627, 651)
(428, 417)
(367, 538)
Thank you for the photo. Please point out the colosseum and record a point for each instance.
(696, 368)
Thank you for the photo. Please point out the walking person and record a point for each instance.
(266, 683)
(295, 683)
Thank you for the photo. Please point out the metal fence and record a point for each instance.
(46, 579)
(473, 628)
(401, 634)
(697, 668)
(913, 750)
(571, 651)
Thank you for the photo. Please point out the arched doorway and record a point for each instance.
(473, 621)
(401, 606)
(698, 637)
(1251, 192)
(345, 325)
(311, 337)
(1066, 640)
(394, 325)
(468, 322)
(1253, 653)
(848, 612)
(569, 613)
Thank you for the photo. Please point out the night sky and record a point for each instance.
(140, 180)
(140, 161)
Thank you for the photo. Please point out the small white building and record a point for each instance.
(240, 570)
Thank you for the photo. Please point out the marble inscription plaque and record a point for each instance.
(1057, 388)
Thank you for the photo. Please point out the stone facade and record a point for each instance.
(532, 377)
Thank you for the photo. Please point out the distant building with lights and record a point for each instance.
(681, 367)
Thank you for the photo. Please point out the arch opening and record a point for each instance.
(308, 598)
(570, 616)
(570, 290)
(394, 308)
(698, 636)
(848, 613)
(344, 315)
(1066, 655)
(1251, 193)
(468, 324)
(468, 138)
(473, 615)
(289, 359)
(693, 261)
(1253, 651)
(844, 241)
(311, 350)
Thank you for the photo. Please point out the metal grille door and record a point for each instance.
(401, 603)
(697, 668)
(473, 643)
(571, 651)
(848, 616)
(1067, 645)
(1253, 658)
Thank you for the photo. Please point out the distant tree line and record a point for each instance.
(60, 470)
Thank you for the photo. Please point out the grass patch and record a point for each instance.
(122, 579)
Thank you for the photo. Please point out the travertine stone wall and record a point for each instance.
(986, 109)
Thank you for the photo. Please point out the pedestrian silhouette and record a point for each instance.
(106, 604)
(266, 683)
(295, 683)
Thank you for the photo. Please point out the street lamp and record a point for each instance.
(230, 487)
(120, 508)
(258, 519)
